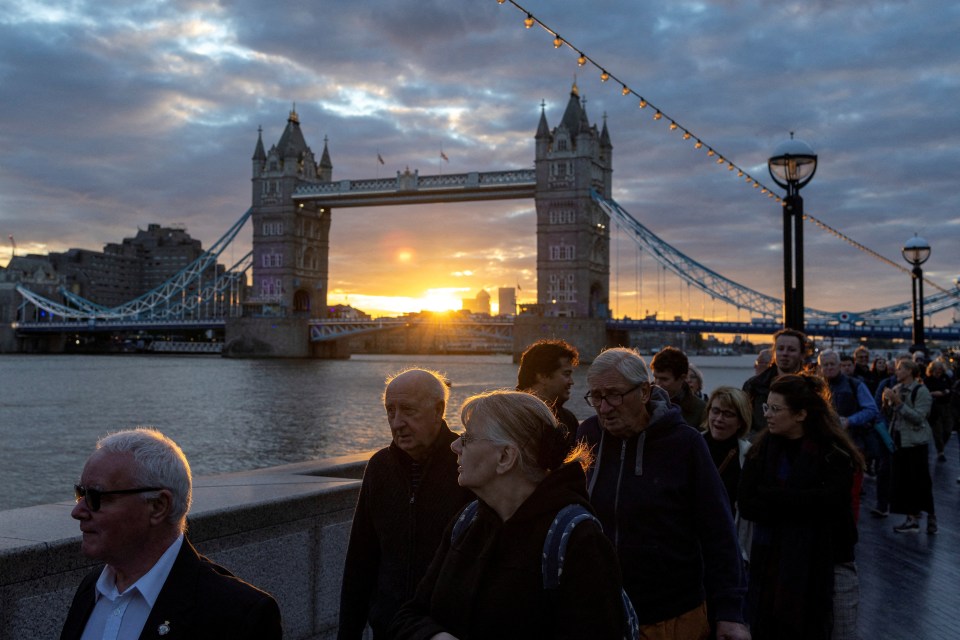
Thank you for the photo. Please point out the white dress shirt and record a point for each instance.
(121, 616)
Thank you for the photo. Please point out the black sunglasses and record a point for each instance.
(92, 496)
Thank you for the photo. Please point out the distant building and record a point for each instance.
(124, 271)
(346, 312)
(118, 274)
(480, 304)
(507, 299)
(34, 272)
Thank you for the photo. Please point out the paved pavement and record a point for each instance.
(910, 582)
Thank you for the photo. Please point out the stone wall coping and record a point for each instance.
(35, 539)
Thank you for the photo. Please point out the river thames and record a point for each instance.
(227, 415)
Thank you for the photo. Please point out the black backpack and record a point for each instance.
(554, 551)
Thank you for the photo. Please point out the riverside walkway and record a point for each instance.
(910, 582)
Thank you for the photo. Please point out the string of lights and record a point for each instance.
(530, 20)
(658, 114)
(823, 225)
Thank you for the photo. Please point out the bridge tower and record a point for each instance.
(573, 232)
(291, 241)
(291, 245)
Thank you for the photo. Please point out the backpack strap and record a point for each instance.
(464, 520)
(555, 544)
(555, 550)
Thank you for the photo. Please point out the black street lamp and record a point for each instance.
(792, 166)
(915, 252)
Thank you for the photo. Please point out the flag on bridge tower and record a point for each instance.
(380, 158)
(444, 156)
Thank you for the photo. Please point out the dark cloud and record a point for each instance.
(117, 115)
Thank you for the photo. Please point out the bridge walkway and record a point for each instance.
(910, 582)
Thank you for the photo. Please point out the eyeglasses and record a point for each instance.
(772, 408)
(92, 496)
(595, 399)
(716, 412)
(466, 439)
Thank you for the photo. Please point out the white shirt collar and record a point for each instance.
(149, 584)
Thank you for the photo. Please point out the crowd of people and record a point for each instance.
(669, 514)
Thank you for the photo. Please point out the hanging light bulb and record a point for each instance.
(528, 22)
(673, 126)
(501, 1)
(657, 115)
(698, 145)
(730, 167)
(582, 60)
(604, 76)
(720, 160)
(557, 42)
(625, 90)
(710, 152)
(643, 103)
(686, 135)
(739, 174)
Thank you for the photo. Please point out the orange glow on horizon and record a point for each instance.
(435, 300)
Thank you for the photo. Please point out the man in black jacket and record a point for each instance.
(546, 371)
(408, 496)
(132, 504)
(790, 348)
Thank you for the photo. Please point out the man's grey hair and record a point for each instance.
(828, 354)
(436, 386)
(626, 362)
(159, 463)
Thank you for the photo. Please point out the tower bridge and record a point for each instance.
(294, 196)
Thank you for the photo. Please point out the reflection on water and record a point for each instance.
(228, 415)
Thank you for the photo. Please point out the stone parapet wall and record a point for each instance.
(284, 529)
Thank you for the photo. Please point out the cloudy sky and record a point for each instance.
(116, 114)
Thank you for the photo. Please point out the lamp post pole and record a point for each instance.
(792, 166)
(916, 251)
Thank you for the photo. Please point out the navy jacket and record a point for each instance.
(666, 511)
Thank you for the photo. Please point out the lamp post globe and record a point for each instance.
(916, 251)
(792, 166)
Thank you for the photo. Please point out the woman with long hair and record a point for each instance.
(488, 578)
(796, 488)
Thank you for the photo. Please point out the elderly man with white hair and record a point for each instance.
(657, 494)
(132, 503)
(408, 495)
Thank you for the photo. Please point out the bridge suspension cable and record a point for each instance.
(185, 292)
(719, 287)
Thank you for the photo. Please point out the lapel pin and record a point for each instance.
(164, 629)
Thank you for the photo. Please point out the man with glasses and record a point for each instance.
(790, 348)
(408, 495)
(132, 504)
(657, 494)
